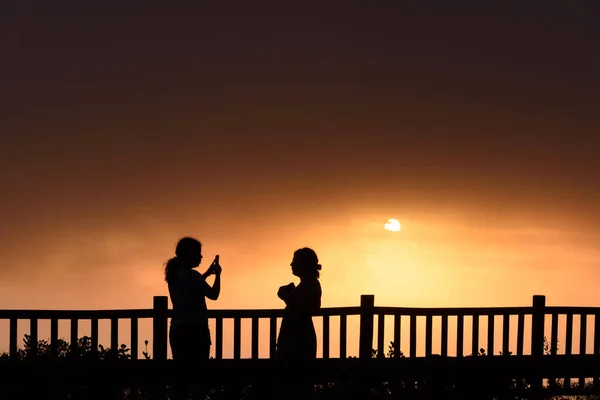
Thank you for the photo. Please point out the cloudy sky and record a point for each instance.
(260, 130)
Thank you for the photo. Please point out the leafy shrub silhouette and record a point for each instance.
(63, 350)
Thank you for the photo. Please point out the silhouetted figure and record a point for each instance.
(297, 341)
(189, 335)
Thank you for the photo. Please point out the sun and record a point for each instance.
(392, 225)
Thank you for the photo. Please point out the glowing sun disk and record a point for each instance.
(392, 225)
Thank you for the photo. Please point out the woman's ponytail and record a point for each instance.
(172, 269)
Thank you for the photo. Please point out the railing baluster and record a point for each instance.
(380, 335)
(554, 335)
(33, 325)
(582, 342)
(54, 337)
(219, 338)
(397, 322)
(597, 334)
(272, 337)
(569, 344)
(326, 336)
(343, 335)
(428, 334)
(490, 333)
(505, 334)
(444, 339)
(94, 338)
(460, 335)
(413, 336)
(553, 346)
(134, 338)
(114, 336)
(74, 336)
(254, 337)
(569, 335)
(583, 334)
(597, 347)
(520, 334)
(475, 336)
(13, 339)
(237, 337)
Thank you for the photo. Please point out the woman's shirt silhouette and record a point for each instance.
(188, 295)
(297, 337)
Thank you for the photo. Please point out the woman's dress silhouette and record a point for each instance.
(297, 341)
(297, 337)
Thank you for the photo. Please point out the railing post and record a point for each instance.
(537, 325)
(537, 340)
(159, 328)
(14, 353)
(367, 304)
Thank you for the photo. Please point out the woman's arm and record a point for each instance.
(304, 297)
(285, 291)
(206, 274)
(197, 285)
(214, 291)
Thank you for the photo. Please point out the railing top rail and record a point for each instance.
(76, 314)
(148, 313)
(269, 313)
(571, 310)
(440, 311)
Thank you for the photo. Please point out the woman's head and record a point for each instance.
(189, 250)
(305, 263)
(188, 255)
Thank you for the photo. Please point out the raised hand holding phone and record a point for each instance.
(215, 267)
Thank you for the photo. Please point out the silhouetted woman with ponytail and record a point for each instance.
(297, 341)
(189, 335)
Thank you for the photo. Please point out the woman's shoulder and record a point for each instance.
(189, 275)
(312, 284)
(318, 285)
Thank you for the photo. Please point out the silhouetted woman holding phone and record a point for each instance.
(189, 335)
(297, 341)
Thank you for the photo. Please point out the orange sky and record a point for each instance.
(116, 142)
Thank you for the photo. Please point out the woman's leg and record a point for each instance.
(180, 340)
(306, 355)
(200, 353)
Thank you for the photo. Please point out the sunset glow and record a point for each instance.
(119, 140)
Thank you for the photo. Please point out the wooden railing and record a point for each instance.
(367, 312)
(544, 362)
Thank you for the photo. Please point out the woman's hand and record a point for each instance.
(209, 271)
(285, 290)
(216, 269)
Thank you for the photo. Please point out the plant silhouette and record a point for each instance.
(471, 387)
(64, 351)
